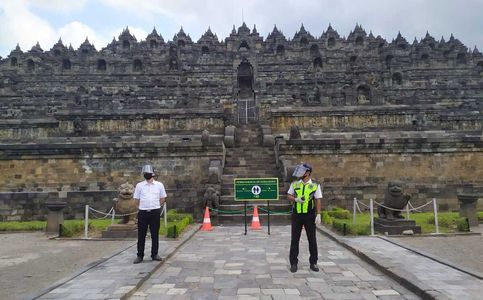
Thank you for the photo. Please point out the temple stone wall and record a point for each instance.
(27, 206)
(362, 167)
(372, 119)
(90, 173)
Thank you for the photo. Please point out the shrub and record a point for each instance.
(326, 219)
(177, 227)
(339, 213)
(177, 222)
(462, 224)
(480, 216)
(351, 229)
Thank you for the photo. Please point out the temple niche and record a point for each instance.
(363, 94)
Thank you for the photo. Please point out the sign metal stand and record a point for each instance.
(268, 209)
(256, 189)
(245, 218)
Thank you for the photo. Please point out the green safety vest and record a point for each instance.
(306, 190)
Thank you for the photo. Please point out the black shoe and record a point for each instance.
(314, 267)
(138, 260)
(157, 258)
(293, 268)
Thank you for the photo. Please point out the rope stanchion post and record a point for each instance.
(354, 206)
(407, 211)
(113, 216)
(371, 207)
(435, 207)
(86, 222)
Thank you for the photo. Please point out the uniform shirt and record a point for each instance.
(149, 194)
(318, 192)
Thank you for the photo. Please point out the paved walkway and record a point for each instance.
(30, 262)
(226, 264)
(436, 279)
(116, 277)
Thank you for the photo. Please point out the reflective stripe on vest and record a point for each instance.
(305, 190)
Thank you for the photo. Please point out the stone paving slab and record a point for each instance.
(117, 277)
(430, 278)
(226, 264)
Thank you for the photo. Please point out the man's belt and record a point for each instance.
(148, 210)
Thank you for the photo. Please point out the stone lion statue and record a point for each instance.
(393, 198)
(125, 203)
(211, 197)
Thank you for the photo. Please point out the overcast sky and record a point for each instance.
(28, 21)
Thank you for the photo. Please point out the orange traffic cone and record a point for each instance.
(206, 221)
(255, 221)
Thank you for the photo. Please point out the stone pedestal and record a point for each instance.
(120, 231)
(55, 216)
(395, 226)
(468, 208)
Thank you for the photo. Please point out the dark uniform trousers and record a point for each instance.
(308, 222)
(148, 218)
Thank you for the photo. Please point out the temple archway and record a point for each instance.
(246, 103)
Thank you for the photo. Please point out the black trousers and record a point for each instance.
(151, 219)
(308, 222)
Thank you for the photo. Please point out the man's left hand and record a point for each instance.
(317, 219)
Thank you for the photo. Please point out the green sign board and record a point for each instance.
(251, 189)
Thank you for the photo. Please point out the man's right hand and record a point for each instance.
(299, 200)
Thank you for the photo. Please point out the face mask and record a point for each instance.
(148, 176)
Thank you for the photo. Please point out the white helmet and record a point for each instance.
(301, 169)
(147, 169)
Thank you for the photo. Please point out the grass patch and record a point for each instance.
(449, 222)
(177, 222)
(23, 225)
(72, 228)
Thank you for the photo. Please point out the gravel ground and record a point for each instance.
(30, 262)
(462, 250)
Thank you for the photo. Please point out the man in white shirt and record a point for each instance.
(306, 199)
(149, 195)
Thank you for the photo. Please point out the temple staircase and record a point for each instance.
(249, 159)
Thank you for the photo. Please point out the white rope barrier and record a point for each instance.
(415, 208)
(358, 208)
(407, 209)
(112, 213)
(363, 204)
(421, 206)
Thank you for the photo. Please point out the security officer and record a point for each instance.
(149, 195)
(305, 196)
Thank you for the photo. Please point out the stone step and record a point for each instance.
(229, 200)
(245, 169)
(252, 174)
(254, 153)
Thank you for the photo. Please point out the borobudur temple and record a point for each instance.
(77, 123)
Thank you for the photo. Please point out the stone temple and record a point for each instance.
(77, 123)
